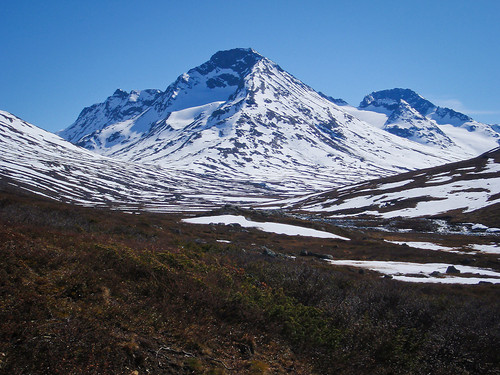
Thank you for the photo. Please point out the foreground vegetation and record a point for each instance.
(96, 292)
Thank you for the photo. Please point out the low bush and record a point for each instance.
(96, 301)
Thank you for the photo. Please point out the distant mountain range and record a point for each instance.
(237, 128)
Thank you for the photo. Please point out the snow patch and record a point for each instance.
(278, 228)
(424, 272)
(492, 248)
(423, 245)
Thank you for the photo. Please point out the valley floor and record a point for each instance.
(100, 292)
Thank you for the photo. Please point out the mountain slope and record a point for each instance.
(465, 187)
(41, 162)
(239, 116)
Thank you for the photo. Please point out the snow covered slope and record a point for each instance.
(43, 163)
(462, 187)
(240, 117)
(405, 113)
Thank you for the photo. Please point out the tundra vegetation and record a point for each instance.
(87, 291)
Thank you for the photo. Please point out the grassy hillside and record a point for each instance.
(87, 291)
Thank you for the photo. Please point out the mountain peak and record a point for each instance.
(240, 60)
(391, 99)
(395, 94)
(239, 114)
(229, 57)
(120, 93)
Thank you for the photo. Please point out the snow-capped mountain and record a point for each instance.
(405, 113)
(240, 117)
(236, 129)
(41, 162)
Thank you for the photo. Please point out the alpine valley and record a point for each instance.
(234, 128)
(240, 222)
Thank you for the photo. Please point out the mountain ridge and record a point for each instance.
(235, 127)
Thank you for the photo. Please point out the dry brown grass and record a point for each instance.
(99, 292)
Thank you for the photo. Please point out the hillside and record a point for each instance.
(464, 190)
(43, 163)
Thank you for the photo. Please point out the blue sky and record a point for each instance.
(60, 56)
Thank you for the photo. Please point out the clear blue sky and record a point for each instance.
(60, 56)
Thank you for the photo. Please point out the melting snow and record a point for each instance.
(421, 272)
(423, 245)
(479, 227)
(493, 248)
(492, 167)
(290, 230)
(393, 185)
(468, 195)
